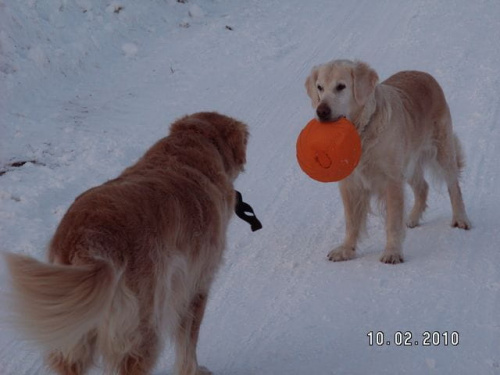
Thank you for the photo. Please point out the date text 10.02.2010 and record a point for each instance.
(407, 338)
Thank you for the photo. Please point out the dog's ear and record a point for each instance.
(364, 81)
(311, 87)
(237, 140)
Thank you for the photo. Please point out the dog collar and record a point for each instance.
(245, 212)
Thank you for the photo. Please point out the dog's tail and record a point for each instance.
(56, 305)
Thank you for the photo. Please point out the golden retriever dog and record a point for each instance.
(132, 260)
(405, 125)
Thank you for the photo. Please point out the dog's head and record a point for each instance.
(340, 88)
(228, 135)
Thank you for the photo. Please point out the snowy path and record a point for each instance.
(107, 85)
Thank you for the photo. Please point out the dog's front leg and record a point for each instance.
(356, 202)
(395, 230)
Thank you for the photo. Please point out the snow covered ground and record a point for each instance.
(86, 86)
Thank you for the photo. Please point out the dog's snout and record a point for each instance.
(323, 111)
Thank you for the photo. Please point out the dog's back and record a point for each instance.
(427, 120)
(423, 101)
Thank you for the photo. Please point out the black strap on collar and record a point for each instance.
(245, 212)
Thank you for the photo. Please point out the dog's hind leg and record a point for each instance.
(186, 338)
(142, 358)
(420, 191)
(460, 218)
(450, 159)
(75, 361)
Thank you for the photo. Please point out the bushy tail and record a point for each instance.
(56, 305)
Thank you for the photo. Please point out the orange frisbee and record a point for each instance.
(328, 151)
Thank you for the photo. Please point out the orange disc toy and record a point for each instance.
(328, 151)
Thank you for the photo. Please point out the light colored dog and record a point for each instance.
(405, 125)
(132, 260)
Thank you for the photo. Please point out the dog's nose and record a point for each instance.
(323, 111)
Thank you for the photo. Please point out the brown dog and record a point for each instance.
(133, 259)
(405, 125)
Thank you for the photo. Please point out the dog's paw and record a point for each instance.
(341, 253)
(412, 222)
(202, 370)
(391, 257)
(461, 222)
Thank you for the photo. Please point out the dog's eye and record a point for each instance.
(340, 87)
(320, 88)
